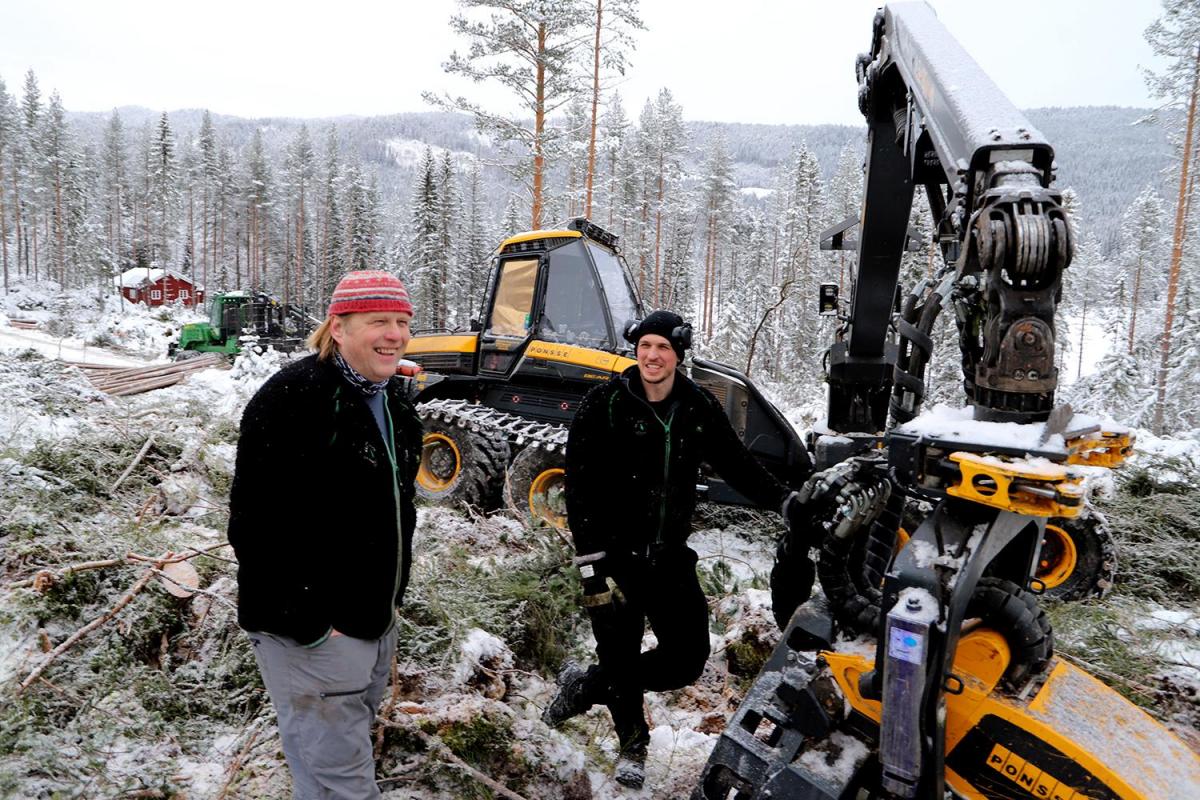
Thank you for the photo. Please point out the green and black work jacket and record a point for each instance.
(319, 517)
(631, 471)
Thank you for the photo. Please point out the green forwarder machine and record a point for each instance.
(240, 318)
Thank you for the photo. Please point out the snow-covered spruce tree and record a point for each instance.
(662, 143)
(608, 206)
(1121, 387)
(527, 47)
(424, 247)
(797, 325)
(54, 147)
(26, 161)
(575, 136)
(206, 142)
(843, 199)
(450, 221)
(476, 245)
(164, 191)
(361, 202)
(7, 132)
(329, 248)
(514, 218)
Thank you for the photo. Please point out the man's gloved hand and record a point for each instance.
(792, 578)
(599, 589)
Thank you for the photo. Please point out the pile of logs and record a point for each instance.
(23, 324)
(121, 381)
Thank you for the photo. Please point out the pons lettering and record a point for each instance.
(1037, 782)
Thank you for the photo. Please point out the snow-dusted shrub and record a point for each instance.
(1155, 520)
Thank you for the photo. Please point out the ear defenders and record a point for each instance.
(664, 323)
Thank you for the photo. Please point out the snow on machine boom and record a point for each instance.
(496, 400)
(927, 668)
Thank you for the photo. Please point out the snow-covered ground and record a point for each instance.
(165, 698)
(14, 340)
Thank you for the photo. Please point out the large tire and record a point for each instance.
(1015, 614)
(535, 487)
(461, 466)
(1078, 558)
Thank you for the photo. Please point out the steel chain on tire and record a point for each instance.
(495, 435)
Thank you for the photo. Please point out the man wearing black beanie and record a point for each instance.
(633, 459)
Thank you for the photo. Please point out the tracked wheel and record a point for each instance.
(1078, 557)
(535, 487)
(460, 465)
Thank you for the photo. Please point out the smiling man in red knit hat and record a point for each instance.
(320, 574)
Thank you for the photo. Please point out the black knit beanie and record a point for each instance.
(666, 324)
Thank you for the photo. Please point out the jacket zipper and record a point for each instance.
(662, 500)
(390, 447)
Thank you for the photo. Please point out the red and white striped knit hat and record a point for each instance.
(369, 290)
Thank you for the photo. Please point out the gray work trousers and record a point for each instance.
(325, 698)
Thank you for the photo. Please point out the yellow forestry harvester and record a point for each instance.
(926, 669)
(496, 400)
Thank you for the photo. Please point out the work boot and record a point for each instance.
(631, 768)
(571, 699)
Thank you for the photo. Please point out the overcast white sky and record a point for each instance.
(768, 61)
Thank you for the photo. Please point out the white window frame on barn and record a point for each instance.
(156, 294)
(184, 294)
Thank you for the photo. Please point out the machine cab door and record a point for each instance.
(510, 322)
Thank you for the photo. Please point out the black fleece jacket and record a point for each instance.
(631, 472)
(322, 532)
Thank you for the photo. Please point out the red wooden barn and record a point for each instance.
(154, 287)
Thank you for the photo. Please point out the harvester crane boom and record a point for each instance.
(935, 119)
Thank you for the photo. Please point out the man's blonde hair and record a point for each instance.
(321, 340)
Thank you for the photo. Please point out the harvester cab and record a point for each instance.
(497, 400)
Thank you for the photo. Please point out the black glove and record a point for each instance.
(792, 579)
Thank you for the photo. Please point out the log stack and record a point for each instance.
(122, 381)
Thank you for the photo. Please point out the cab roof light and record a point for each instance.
(594, 232)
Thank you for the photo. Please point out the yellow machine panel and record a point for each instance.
(1074, 739)
(578, 356)
(455, 343)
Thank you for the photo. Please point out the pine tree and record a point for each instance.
(300, 165)
(716, 192)
(526, 46)
(257, 191)
(114, 192)
(1173, 37)
(1143, 257)
(620, 19)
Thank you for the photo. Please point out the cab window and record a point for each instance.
(514, 298)
(574, 312)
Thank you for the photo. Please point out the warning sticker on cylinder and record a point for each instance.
(906, 645)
